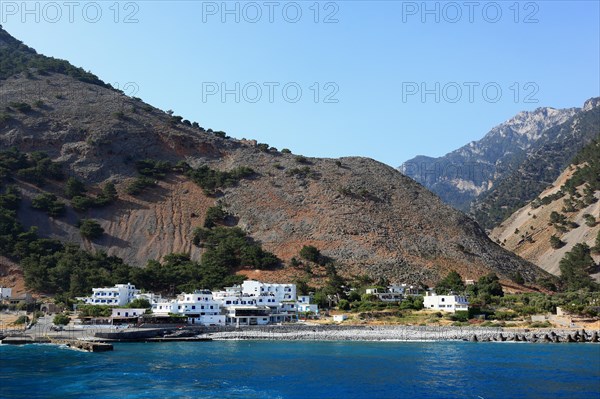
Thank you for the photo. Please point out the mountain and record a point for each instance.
(565, 214)
(366, 216)
(496, 175)
(462, 175)
(540, 168)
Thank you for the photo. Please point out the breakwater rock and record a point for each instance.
(399, 333)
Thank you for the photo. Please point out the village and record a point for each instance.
(252, 303)
(249, 304)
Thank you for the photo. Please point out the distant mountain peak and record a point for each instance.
(591, 104)
(470, 171)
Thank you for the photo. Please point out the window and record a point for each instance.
(193, 307)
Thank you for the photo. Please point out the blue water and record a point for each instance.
(260, 369)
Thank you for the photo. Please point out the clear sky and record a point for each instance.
(383, 79)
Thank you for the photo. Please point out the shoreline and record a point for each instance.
(305, 332)
(408, 334)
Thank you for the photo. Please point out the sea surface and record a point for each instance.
(267, 369)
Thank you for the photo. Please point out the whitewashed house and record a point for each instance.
(247, 315)
(281, 292)
(149, 296)
(445, 303)
(304, 305)
(253, 301)
(199, 307)
(126, 313)
(280, 298)
(338, 318)
(393, 293)
(119, 295)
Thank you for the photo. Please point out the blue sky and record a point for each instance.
(383, 79)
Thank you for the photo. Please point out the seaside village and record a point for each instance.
(251, 303)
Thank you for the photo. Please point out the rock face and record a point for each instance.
(527, 232)
(365, 215)
(498, 174)
(462, 175)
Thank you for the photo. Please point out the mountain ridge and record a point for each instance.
(466, 177)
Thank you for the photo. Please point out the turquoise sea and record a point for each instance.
(265, 369)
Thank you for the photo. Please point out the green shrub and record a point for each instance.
(94, 310)
(310, 253)
(540, 324)
(152, 168)
(74, 188)
(61, 319)
(211, 180)
(90, 229)
(302, 159)
(139, 184)
(556, 242)
(459, 315)
(48, 203)
(22, 320)
(82, 204)
(214, 215)
(343, 305)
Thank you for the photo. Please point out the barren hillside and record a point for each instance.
(527, 232)
(364, 215)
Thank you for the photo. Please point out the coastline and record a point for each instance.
(404, 334)
(307, 332)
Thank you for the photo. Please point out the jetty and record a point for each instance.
(87, 346)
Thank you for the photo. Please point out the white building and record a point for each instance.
(251, 302)
(248, 315)
(445, 303)
(119, 295)
(304, 305)
(149, 296)
(338, 318)
(5, 292)
(199, 307)
(126, 313)
(393, 293)
(281, 292)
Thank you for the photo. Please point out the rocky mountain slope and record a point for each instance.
(563, 215)
(365, 215)
(461, 175)
(528, 151)
(540, 168)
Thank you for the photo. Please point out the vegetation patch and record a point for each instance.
(90, 229)
(139, 184)
(50, 204)
(212, 180)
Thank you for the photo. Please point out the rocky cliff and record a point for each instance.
(492, 177)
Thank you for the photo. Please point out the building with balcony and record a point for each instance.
(445, 303)
(119, 295)
(199, 307)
